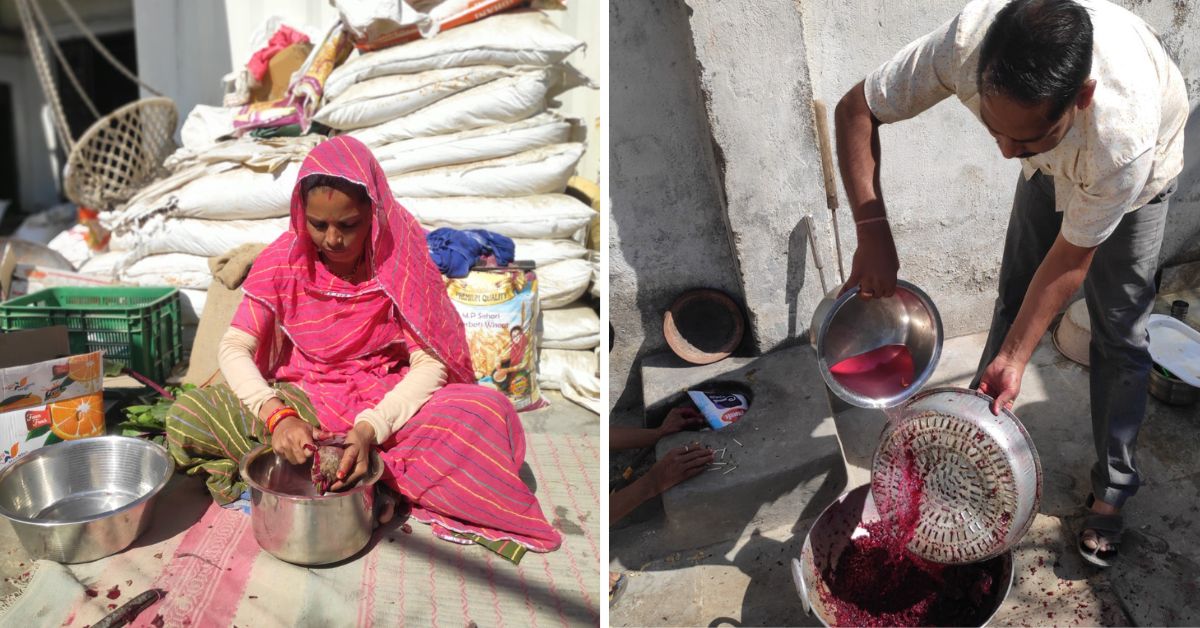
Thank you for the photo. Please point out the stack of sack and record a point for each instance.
(461, 123)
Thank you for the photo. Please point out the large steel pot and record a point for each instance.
(81, 500)
(293, 523)
(830, 535)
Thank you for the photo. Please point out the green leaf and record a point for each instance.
(37, 432)
(52, 438)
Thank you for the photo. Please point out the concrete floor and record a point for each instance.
(562, 416)
(747, 582)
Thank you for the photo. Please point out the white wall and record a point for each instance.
(947, 188)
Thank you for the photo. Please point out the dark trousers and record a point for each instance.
(1119, 289)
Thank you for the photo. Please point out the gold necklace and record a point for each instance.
(350, 275)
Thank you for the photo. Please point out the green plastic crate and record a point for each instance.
(136, 327)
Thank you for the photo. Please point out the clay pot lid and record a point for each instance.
(703, 326)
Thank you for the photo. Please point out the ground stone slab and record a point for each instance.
(777, 457)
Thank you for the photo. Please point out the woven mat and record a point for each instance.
(215, 574)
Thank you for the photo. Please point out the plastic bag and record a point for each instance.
(499, 309)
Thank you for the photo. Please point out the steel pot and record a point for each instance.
(81, 500)
(295, 524)
(830, 535)
(1172, 390)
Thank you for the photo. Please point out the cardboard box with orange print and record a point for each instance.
(46, 394)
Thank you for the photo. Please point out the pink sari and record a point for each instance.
(346, 345)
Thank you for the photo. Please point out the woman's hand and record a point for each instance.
(357, 458)
(293, 439)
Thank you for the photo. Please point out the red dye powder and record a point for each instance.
(882, 372)
(877, 581)
(91, 592)
(113, 593)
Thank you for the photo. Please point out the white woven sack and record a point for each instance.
(192, 302)
(547, 252)
(553, 365)
(169, 269)
(539, 216)
(385, 98)
(562, 283)
(509, 39)
(507, 99)
(576, 327)
(482, 144)
(538, 171)
(238, 194)
(196, 236)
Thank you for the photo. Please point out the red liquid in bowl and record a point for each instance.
(878, 373)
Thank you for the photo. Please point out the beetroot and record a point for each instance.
(877, 581)
(326, 460)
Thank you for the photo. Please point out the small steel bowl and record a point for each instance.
(82, 500)
(853, 326)
(295, 524)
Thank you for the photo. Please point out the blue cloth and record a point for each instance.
(454, 251)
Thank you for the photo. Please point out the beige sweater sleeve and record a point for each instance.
(235, 355)
(425, 376)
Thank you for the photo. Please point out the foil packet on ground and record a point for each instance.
(719, 409)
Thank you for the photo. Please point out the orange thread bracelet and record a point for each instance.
(278, 416)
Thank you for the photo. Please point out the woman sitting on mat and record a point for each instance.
(348, 319)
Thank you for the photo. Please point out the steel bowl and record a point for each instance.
(845, 519)
(854, 326)
(1171, 390)
(980, 475)
(295, 524)
(81, 500)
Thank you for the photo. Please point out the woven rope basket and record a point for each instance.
(120, 153)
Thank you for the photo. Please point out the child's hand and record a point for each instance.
(357, 459)
(679, 419)
(293, 439)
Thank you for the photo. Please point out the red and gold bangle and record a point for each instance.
(278, 416)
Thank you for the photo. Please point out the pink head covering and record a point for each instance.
(355, 321)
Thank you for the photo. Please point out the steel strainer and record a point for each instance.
(975, 477)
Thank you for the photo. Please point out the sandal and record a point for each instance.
(1108, 530)
(617, 588)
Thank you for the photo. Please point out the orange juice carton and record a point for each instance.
(46, 394)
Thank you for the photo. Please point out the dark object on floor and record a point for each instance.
(129, 611)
